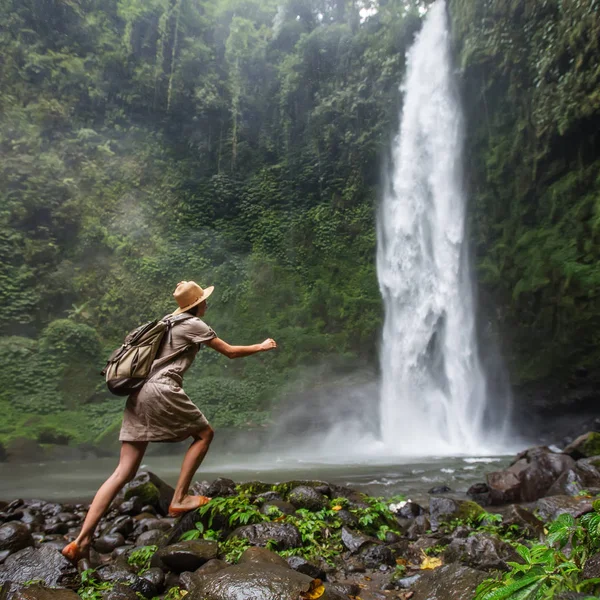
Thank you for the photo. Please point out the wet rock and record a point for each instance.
(584, 446)
(150, 538)
(303, 566)
(156, 577)
(418, 527)
(525, 519)
(107, 543)
(505, 486)
(258, 555)
(4, 554)
(187, 581)
(588, 470)
(480, 493)
(354, 565)
(123, 525)
(15, 536)
(591, 569)
(120, 592)
(121, 572)
(268, 496)
(147, 508)
(450, 582)
(568, 484)
(46, 564)
(354, 540)
(391, 537)
(56, 528)
(347, 518)
(277, 505)
(212, 566)
(259, 582)
(375, 555)
(186, 523)
(481, 551)
(32, 518)
(307, 497)
(122, 550)
(220, 488)
(151, 489)
(41, 592)
(345, 588)
(444, 510)
(133, 506)
(188, 555)
(440, 489)
(149, 524)
(411, 510)
(285, 535)
(553, 506)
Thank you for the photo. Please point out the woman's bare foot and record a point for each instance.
(187, 504)
(76, 550)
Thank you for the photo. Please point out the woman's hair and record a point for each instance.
(194, 310)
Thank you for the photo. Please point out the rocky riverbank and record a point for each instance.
(313, 539)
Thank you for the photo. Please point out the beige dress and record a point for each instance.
(161, 411)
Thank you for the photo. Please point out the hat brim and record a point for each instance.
(207, 292)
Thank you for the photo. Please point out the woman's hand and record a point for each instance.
(268, 344)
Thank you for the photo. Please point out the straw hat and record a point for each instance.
(188, 294)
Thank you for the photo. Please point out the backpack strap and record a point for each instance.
(171, 321)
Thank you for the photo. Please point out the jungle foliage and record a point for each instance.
(532, 97)
(236, 143)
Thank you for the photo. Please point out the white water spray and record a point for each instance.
(433, 393)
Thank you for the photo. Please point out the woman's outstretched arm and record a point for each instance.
(239, 351)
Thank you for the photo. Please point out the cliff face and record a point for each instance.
(531, 87)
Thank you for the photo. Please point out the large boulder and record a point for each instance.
(450, 582)
(444, 509)
(258, 555)
(285, 535)
(481, 551)
(354, 540)
(307, 497)
(529, 477)
(550, 508)
(514, 514)
(258, 582)
(121, 572)
(150, 489)
(584, 446)
(41, 592)
(188, 555)
(15, 536)
(46, 564)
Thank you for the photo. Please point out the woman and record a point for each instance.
(161, 412)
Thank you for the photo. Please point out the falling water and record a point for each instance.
(433, 393)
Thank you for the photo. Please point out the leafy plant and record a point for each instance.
(141, 557)
(91, 588)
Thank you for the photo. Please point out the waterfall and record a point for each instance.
(433, 391)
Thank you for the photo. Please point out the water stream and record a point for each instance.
(433, 389)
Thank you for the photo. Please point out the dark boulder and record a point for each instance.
(481, 551)
(258, 555)
(354, 540)
(440, 489)
(308, 568)
(132, 507)
(285, 535)
(107, 543)
(450, 582)
(591, 569)
(444, 510)
(268, 496)
(411, 510)
(121, 572)
(347, 518)
(41, 592)
(221, 487)
(120, 592)
(150, 538)
(151, 489)
(188, 555)
(123, 525)
(529, 477)
(584, 446)
(375, 555)
(553, 506)
(418, 527)
(568, 484)
(307, 497)
(258, 582)
(46, 564)
(15, 536)
(514, 514)
(480, 493)
(155, 577)
(212, 566)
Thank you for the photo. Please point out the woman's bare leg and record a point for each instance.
(129, 462)
(191, 461)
